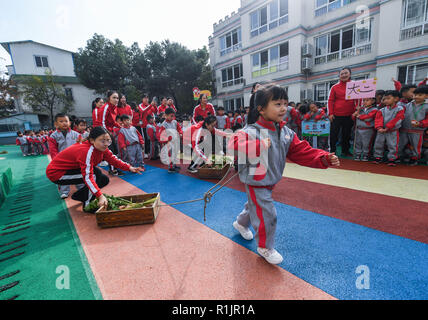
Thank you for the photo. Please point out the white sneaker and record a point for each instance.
(104, 164)
(245, 232)
(64, 196)
(271, 255)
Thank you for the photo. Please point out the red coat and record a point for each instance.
(84, 157)
(204, 113)
(337, 104)
(124, 110)
(147, 110)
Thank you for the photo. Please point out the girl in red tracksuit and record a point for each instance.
(123, 107)
(78, 164)
(97, 115)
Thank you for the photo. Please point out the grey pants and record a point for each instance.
(363, 142)
(415, 140)
(134, 155)
(391, 139)
(260, 212)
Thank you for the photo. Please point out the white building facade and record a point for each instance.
(302, 45)
(31, 58)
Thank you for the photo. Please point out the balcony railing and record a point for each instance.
(232, 82)
(235, 47)
(413, 32)
(346, 53)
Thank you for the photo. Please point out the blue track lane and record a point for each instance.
(323, 251)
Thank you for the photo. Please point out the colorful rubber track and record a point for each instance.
(331, 225)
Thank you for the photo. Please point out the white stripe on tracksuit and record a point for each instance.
(198, 150)
(104, 116)
(88, 171)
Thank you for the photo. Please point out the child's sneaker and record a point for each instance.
(64, 196)
(172, 170)
(365, 159)
(177, 168)
(120, 173)
(392, 163)
(271, 255)
(245, 232)
(357, 158)
(377, 160)
(192, 170)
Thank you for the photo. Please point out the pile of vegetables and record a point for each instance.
(115, 203)
(216, 164)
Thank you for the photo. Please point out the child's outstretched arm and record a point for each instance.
(303, 154)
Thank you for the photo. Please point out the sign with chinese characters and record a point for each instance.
(361, 89)
(316, 129)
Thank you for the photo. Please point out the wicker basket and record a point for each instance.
(130, 217)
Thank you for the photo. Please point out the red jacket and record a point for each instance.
(161, 109)
(124, 110)
(84, 157)
(108, 117)
(136, 118)
(379, 121)
(204, 113)
(337, 104)
(147, 110)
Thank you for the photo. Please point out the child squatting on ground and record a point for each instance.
(263, 147)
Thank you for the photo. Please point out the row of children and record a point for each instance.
(33, 143)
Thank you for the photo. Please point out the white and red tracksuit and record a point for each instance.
(130, 138)
(153, 141)
(169, 137)
(223, 122)
(124, 110)
(204, 112)
(23, 143)
(77, 164)
(265, 170)
(365, 131)
(389, 118)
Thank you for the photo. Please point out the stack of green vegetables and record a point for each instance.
(115, 204)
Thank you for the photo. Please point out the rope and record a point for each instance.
(208, 195)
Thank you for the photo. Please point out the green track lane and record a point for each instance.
(42, 257)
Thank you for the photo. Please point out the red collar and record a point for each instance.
(266, 124)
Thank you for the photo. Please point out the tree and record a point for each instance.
(46, 96)
(8, 94)
(103, 65)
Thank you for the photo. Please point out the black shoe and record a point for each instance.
(113, 172)
(413, 162)
(177, 168)
(392, 163)
(120, 173)
(172, 170)
(192, 170)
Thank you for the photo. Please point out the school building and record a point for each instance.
(301, 45)
(30, 58)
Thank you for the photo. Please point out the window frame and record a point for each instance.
(224, 49)
(327, 88)
(41, 57)
(270, 68)
(414, 66)
(404, 14)
(235, 80)
(270, 23)
(227, 103)
(329, 6)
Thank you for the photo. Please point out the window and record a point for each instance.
(233, 104)
(361, 77)
(351, 41)
(230, 42)
(414, 19)
(69, 93)
(41, 62)
(232, 76)
(269, 17)
(324, 6)
(270, 60)
(413, 73)
(322, 90)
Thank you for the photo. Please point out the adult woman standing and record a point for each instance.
(78, 165)
(256, 87)
(340, 113)
(203, 109)
(123, 107)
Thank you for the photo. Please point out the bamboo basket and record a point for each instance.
(213, 173)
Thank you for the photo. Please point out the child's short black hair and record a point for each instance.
(393, 93)
(199, 118)
(380, 92)
(149, 117)
(18, 133)
(220, 108)
(169, 111)
(81, 121)
(60, 115)
(406, 88)
(125, 117)
(421, 89)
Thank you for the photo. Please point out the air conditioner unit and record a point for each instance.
(307, 50)
(306, 64)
